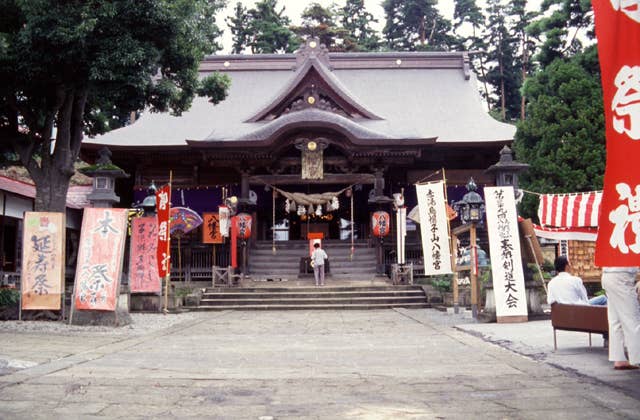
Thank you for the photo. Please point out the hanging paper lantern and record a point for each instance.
(243, 225)
(380, 224)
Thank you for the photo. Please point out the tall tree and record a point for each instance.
(239, 26)
(563, 136)
(321, 22)
(559, 26)
(503, 73)
(521, 19)
(71, 68)
(467, 13)
(416, 25)
(269, 29)
(357, 22)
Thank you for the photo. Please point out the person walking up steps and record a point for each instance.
(318, 256)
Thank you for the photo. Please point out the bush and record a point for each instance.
(9, 297)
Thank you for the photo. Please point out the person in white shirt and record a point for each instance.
(318, 256)
(567, 289)
(623, 313)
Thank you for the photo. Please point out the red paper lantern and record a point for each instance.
(380, 224)
(243, 225)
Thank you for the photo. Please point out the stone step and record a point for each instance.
(314, 301)
(326, 289)
(312, 295)
(275, 307)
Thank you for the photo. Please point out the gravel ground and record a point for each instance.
(142, 323)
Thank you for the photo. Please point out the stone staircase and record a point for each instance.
(285, 263)
(280, 298)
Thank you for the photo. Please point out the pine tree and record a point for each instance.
(416, 25)
(525, 45)
(268, 29)
(320, 22)
(239, 27)
(357, 22)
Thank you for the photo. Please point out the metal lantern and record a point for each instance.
(243, 225)
(471, 207)
(380, 224)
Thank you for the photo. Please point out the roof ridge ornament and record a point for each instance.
(313, 49)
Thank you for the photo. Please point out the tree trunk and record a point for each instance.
(51, 192)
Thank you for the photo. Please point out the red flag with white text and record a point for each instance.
(618, 33)
(163, 209)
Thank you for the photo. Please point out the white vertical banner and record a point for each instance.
(504, 244)
(434, 228)
(401, 232)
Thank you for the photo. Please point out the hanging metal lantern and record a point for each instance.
(243, 225)
(380, 224)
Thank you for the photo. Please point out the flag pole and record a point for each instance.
(168, 277)
(452, 246)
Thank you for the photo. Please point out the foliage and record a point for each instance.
(81, 67)
(239, 26)
(357, 23)
(319, 22)
(9, 297)
(442, 283)
(563, 137)
(558, 27)
(268, 29)
(416, 25)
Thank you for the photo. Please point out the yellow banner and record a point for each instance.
(42, 274)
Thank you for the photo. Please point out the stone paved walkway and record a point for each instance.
(387, 364)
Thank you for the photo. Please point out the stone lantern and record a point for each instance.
(506, 170)
(104, 174)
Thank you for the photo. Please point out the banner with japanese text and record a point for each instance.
(143, 263)
(100, 258)
(434, 228)
(42, 274)
(163, 210)
(211, 229)
(504, 246)
(618, 33)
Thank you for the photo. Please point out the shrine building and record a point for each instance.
(359, 127)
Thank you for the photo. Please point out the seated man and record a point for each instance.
(568, 289)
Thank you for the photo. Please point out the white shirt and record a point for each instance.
(567, 289)
(318, 256)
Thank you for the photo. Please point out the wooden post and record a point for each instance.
(473, 275)
(454, 280)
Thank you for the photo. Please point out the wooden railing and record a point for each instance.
(195, 261)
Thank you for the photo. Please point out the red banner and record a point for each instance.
(618, 34)
(143, 264)
(163, 209)
(100, 258)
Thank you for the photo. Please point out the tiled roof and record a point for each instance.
(76, 196)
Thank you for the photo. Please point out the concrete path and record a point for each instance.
(387, 364)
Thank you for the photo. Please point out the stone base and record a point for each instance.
(511, 319)
(146, 302)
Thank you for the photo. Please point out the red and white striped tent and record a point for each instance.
(569, 216)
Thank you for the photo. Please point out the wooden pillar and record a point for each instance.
(473, 275)
(454, 280)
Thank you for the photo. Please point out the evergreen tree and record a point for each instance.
(523, 42)
(563, 136)
(503, 73)
(268, 29)
(357, 22)
(239, 26)
(320, 22)
(413, 25)
(560, 23)
(467, 12)
(78, 66)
